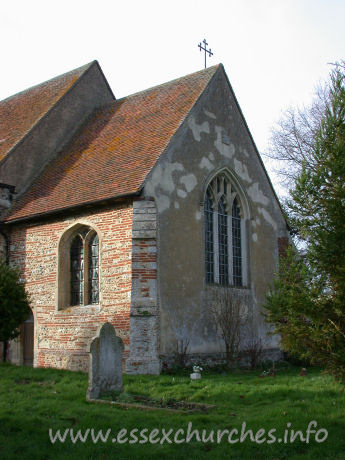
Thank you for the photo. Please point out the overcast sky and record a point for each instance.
(274, 51)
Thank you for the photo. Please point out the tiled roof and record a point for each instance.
(19, 113)
(115, 149)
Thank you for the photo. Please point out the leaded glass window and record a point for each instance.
(223, 233)
(84, 267)
(209, 239)
(77, 270)
(223, 242)
(236, 244)
(93, 270)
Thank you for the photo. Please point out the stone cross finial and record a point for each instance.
(205, 49)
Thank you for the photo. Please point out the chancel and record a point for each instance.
(130, 212)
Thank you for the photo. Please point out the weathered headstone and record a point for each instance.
(105, 372)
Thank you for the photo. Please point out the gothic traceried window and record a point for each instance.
(77, 271)
(209, 239)
(93, 271)
(84, 268)
(236, 244)
(223, 233)
(223, 242)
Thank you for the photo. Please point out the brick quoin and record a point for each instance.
(61, 337)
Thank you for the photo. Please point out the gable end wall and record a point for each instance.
(55, 129)
(212, 137)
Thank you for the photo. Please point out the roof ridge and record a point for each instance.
(85, 66)
(124, 144)
(82, 70)
(211, 70)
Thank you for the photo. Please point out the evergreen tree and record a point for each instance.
(14, 304)
(307, 300)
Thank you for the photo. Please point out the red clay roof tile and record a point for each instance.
(19, 113)
(113, 152)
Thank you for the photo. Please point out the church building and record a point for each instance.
(134, 211)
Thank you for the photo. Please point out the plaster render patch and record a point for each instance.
(189, 181)
(163, 177)
(205, 163)
(242, 171)
(268, 218)
(256, 194)
(210, 114)
(227, 151)
(244, 151)
(254, 237)
(198, 215)
(198, 129)
(166, 181)
(276, 206)
(163, 203)
(225, 138)
(183, 324)
(176, 204)
(181, 193)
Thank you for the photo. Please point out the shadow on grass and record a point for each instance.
(34, 400)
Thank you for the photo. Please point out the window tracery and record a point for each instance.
(223, 233)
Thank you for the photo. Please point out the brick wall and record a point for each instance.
(61, 337)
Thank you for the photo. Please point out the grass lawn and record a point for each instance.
(34, 400)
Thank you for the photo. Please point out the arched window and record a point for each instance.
(93, 270)
(209, 256)
(223, 242)
(77, 271)
(78, 267)
(224, 245)
(236, 243)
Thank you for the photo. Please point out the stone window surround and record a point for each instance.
(63, 273)
(245, 220)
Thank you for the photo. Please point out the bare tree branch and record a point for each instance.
(292, 142)
(229, 311)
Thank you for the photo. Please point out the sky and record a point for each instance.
(274, 51)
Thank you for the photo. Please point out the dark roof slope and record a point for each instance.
(19, 113)
(114, 151)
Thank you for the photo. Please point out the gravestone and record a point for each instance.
(105, 372)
